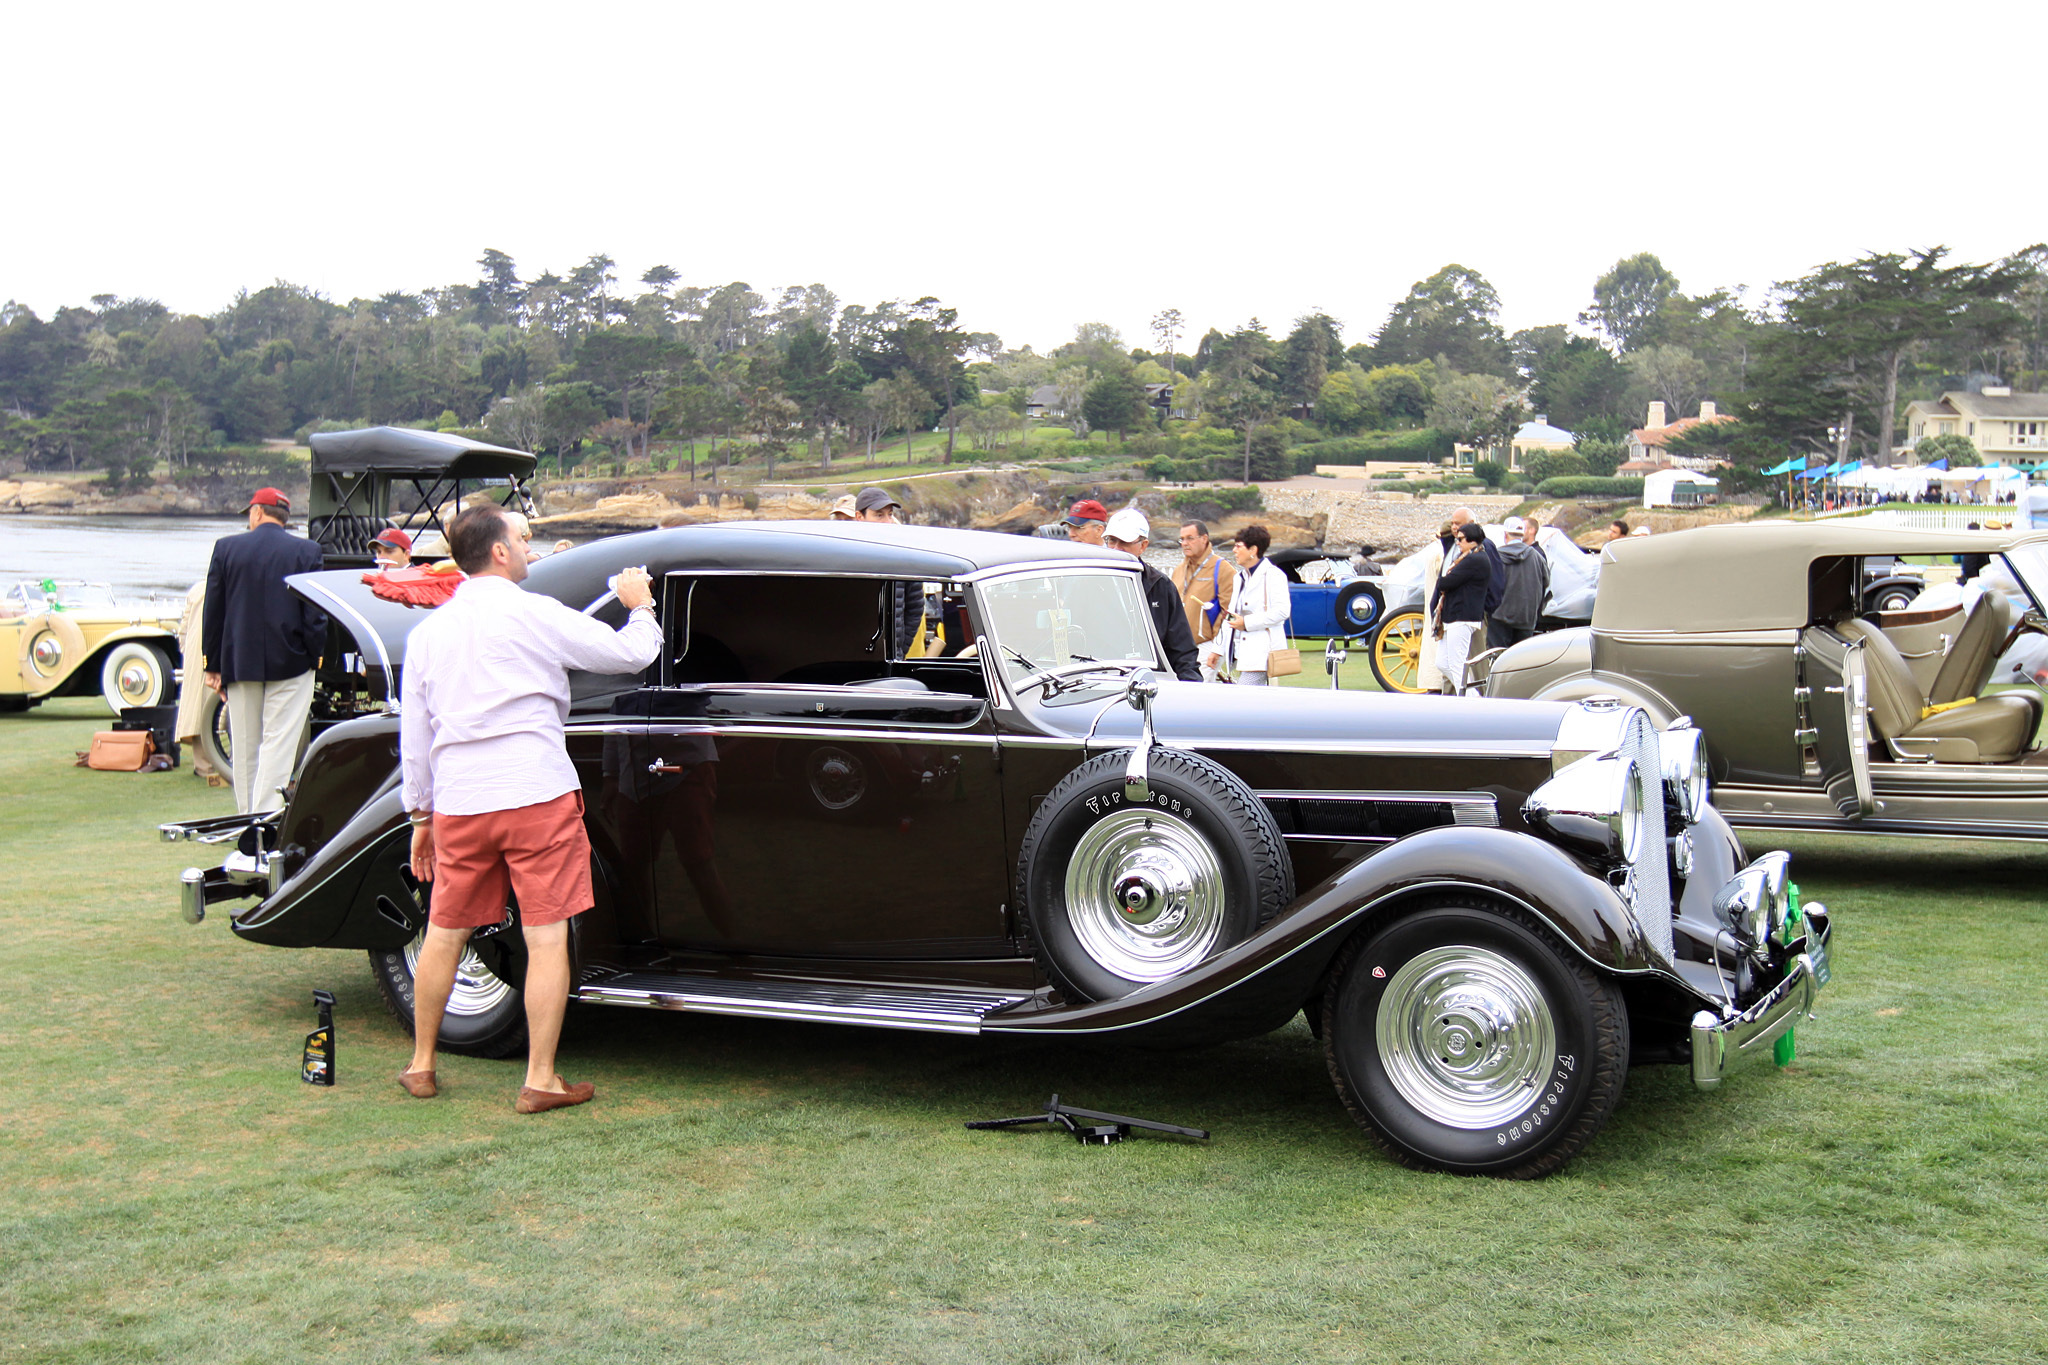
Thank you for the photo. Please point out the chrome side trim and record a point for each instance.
(657, 729)
(1718, 1045)
(1385, 748)
(808, 1001)
(341, 607)
(1767, 636)
(1477, 801)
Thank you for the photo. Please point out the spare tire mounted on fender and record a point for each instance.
(1117, 894)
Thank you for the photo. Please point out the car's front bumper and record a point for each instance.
(1722, 1042)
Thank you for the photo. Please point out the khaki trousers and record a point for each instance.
(267, 726)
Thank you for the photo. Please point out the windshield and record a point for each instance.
(64, 593)
(1047, 620)
(2030, 565)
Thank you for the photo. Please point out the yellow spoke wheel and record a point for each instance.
(1396, 655)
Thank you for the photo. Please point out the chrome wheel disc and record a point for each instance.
(137, 682)
(46, 654)
(1466, 1036)
(477, 990)
(838, 780)
(1145, 895)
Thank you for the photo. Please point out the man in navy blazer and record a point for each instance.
(261, 643)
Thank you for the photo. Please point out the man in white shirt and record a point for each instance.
(497, 808)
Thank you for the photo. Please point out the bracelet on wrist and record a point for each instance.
(423, 818)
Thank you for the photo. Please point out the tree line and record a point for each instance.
(571, 364)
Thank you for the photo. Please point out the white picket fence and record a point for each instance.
(1931, 518)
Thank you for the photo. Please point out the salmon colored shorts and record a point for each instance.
(538, 853)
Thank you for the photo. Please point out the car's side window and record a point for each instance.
(809, 630)
(748, 628)
(1831, 594)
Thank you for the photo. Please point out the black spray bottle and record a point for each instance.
(318, 1066)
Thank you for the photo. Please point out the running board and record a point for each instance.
(929, 1011)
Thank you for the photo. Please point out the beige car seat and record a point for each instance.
(1975, 653)
(1924, 638)
(1993, 729)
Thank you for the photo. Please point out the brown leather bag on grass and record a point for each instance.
(119, 751)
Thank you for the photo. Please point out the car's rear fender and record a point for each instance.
(1257, 984)
(352, 893)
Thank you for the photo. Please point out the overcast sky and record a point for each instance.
(1034, 165)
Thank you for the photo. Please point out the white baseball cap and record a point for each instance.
(1128, 524)
(1513, 526)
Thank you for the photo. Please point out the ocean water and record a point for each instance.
(136, 556)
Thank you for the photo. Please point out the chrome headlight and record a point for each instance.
(1596, 805)
(1753, 902)
(1683, 755)
(1630, 818)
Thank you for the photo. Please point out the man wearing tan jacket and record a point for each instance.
(1204, 581)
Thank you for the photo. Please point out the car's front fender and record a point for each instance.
(1258, 983)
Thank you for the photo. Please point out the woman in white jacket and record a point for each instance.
(1259, 608)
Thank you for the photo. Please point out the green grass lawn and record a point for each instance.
(752, 1191)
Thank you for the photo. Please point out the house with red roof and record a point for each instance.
(1646, 444)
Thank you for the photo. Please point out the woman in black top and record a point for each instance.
(1459, 605)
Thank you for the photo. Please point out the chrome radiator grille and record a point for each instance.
(1649, 874)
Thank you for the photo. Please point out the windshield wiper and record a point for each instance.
(1055, 680)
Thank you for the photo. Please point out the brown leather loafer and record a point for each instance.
(419, 1084)
(533, 1101)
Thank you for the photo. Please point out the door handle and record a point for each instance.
(660, 767)
(1834, 691)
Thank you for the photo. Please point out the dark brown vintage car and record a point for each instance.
(1487, 910)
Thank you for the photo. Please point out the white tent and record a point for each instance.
(1910, 481)
(1993, 481)
(1660, 486)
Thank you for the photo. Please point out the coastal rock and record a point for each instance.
(1020, 520)
(33, 495)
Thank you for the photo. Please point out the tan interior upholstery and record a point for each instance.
(1975, 653)
(1924, 638)
(1999, 727)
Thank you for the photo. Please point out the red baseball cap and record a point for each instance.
(270, 497)
(395, 538)
(1087, 509)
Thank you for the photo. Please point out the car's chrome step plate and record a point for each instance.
(931, 1011)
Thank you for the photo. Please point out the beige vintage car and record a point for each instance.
(1818, 713)
(71, 639)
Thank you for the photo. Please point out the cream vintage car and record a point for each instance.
(1820, 713)
(60, 638)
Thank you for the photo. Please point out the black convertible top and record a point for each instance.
(849, 549)
(403, 450)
